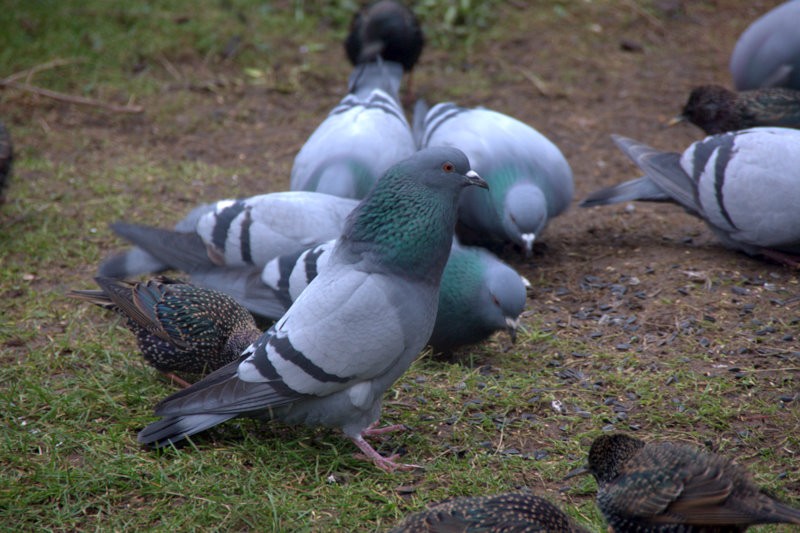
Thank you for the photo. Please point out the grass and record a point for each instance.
(74, 392)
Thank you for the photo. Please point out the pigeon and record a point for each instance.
(6, 160)
(179, 327)
(767, 53)
(386, 29)
(479, 294)
(231, 233)
(361, 137)
(742, 184)
(355, 329)
(716, 109)
(520, 512)
(530, 180)
(665, 487)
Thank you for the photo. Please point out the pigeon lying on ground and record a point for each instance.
(479, 293)
(6, 160)
(743, 184)
(767, 53)
(361, 137)
(386, 29)
(179, 327)
(530, 181)
(358, 325)
(670, 487)
(232, 233)
(716, 109)
(515, 511)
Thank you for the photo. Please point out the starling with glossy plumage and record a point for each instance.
(519, 512)
(664, 487)
(716, 109)
(179, 327)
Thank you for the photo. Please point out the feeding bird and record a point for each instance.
(767, 53)
(179, 327)
(479, 294)
(361, 137)
(716, 109)
(742, 184)
(665, 487)
(530, 180)
(519, 512)
(355, 329)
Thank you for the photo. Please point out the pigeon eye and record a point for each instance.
(448, 167)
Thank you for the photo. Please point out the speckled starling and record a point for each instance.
(716, 109)
(179, 327)
(668, 487)
(518, 512)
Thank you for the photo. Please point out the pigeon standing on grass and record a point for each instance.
(520, 512)
(664, 487)
(530, 180)
(716, 109)
(178, 327)
(355, 329)
(479, 294)
(361, 137)
(743, 184)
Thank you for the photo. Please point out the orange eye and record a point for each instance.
(448, 167)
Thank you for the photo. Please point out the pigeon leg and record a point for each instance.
(372, 430)
(792, 261)
(177, 380)
(388, 464)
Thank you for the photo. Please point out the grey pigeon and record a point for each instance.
(6, 160)
(716, 109)
(513, 512)
(666, 487)
(530, 180)
(232, 233)
(742, 184)
(479, 295)
(361, 137)
(179, 327)
(767, 53)
(355, 329)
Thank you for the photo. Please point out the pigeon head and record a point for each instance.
(525, 214)
(387, 29)
(504, 298)
(609, 453)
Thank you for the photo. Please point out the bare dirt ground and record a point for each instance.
(649, 280)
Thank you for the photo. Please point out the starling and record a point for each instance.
(518, 512)
(6, 158)
(179, 327)
(668, 487)
(716, 109)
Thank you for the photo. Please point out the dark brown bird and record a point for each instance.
(386, 29)
(716, 109)
(179, 327)
(665, 487)
(6, 160)
(515, 512)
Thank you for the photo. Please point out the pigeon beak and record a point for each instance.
(511, 326)
(580, 471)
(528, 239)
(474, 179)
(525, 282)
(675, 120)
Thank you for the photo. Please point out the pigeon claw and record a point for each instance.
(387, 464)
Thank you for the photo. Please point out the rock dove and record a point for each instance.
(232, 233)
(530, 180)
(663, 487)
(716, 109)
(6, 160)
(386, 29)
(768, 52)
(742, 184)
(361, 137)
(358, 325)
(179, 327)
(513, 512)
(479, 293)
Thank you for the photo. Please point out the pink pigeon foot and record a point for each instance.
(177, 380)
(387, 464)
(371, 431)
